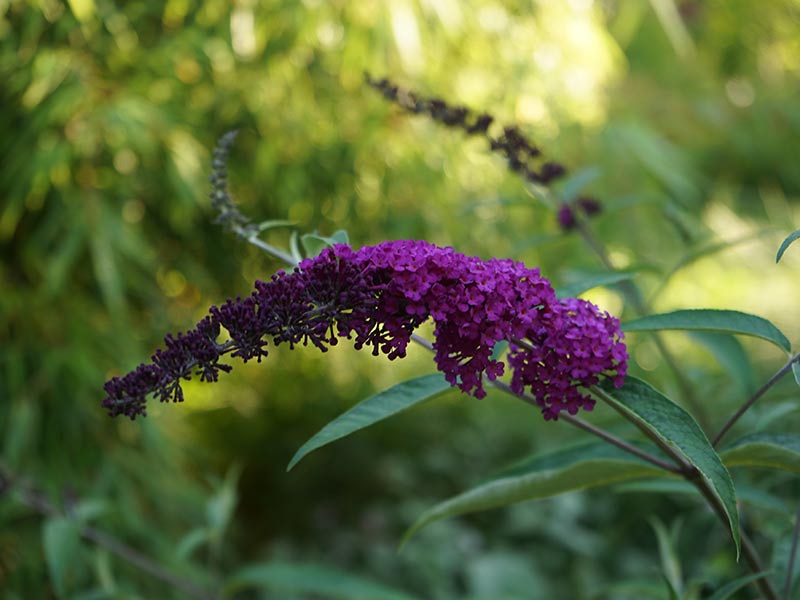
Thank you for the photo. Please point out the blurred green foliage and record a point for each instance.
(686, 112)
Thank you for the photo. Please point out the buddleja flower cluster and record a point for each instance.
(376, 297)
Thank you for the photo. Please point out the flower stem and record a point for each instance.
(752, 400)
(268, 248)
(577, 422)
(596, 431)
(684, 468)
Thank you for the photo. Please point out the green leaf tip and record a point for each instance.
(374, 409)
(785, 244)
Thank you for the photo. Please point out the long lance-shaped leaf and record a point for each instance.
(720, 321)
(375, 408)
(770, 450)
(565, 470)
(677, 430)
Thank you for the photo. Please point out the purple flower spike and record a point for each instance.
(377, 296)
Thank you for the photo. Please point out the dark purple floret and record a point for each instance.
(377, 296)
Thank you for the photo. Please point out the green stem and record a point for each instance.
(596, 431)
(752, 400)
(268, 248)
(684, 468)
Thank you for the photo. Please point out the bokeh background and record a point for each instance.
(681, 116)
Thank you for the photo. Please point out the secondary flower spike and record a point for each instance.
(377, 296)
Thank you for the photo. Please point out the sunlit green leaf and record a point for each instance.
(374, 409)
(720, 321)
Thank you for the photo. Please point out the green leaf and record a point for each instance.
(677, 429)
(670, 564)
(771, 450)
(604, 279)
(720, 321)
(576, 468)
(191, 542)
(374, 409)
(340, 237)
(796, 372)
(220, 506)
(727, 590)
(786, 243)
(61, 540)
(775, 413)
(20, 435)
(499, 349)
(311, 579)
(314, 243)
(731, 355)
(294, 247)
